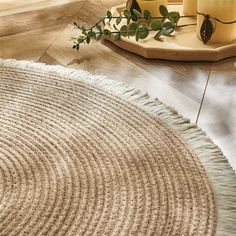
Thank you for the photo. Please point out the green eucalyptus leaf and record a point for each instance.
(137, 13)
(88, 40)
(159, 33)
(107, 33)
(168, 24)
(116, 37)
(128, 20)
(127, 13)
(175, 16)
(99, 28)
(80, 39)
(132, 27)
(85, 33)
(144, 24)
(156, 25)
(143, 32)
(118, 20)
(163, 10)
(90, 34)
(171, 19)
(109, 14)
(124, 30)
(146, 15)
(168, 31)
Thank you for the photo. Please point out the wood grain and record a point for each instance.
(156, 77)
(29, 45)
(38, 18)
(28, 28)
(9, 7)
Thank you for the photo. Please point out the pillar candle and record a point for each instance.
(190, 7)
(224, 10)
(152, 6)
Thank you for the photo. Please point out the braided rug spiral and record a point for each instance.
(77, 160)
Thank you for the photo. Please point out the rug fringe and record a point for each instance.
(222, 176)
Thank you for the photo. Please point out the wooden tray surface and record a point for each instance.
(182, 46)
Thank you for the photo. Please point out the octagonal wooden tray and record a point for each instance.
(182, 46)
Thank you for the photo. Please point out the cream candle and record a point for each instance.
(190, 7)
(223, 10)
(152, 6)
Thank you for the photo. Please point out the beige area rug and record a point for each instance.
(83, 155)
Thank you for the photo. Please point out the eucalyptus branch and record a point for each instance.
(138, 26)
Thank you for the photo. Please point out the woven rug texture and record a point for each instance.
(77, 159)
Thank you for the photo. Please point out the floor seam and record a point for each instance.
(61, 32)
(203, 96)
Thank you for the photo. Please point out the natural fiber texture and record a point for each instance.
(82, 155)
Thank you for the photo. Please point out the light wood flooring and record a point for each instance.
(205, 92)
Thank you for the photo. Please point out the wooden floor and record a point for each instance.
(205, 92)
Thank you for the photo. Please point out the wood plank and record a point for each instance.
(38, 18)
(27, 35)
(9, 7)
(29, 45)
(218, 114)
(188, 77)
(180, 85)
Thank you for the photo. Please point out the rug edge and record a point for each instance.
(212, 158)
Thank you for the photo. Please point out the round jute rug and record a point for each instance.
(83, 155)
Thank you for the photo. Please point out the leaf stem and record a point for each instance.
(91, 28)
(179, 26)
(142, 18)
(120, 32)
